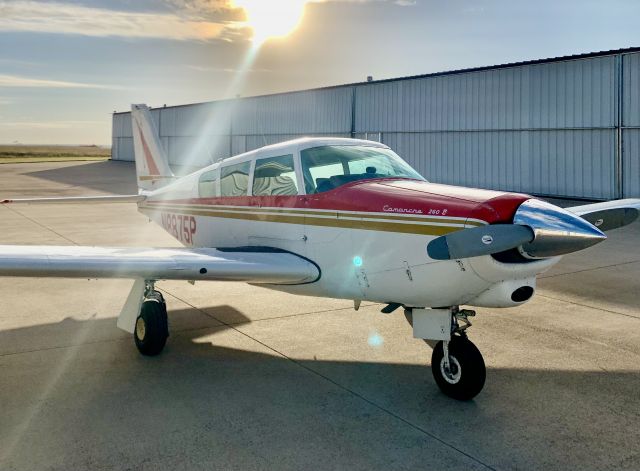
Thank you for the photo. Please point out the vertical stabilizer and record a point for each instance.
(152, 164)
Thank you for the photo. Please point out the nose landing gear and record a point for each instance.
(456, 363)
(458, 368)
(152, 328)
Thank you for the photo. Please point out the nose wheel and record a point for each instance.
(458, 368)
(152, 328)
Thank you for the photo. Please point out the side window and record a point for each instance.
(207, 184)
(234, 179)
(275, 176)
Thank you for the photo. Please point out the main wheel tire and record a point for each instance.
(151, 330)
(467, 374)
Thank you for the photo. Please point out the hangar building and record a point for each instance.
(567, 126)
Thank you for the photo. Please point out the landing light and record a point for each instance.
(357, 261)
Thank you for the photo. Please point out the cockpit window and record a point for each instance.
(328, 167)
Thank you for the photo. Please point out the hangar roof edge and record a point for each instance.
(586, 55)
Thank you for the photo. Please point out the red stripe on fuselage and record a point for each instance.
(387, 196)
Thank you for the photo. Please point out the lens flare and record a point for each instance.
(375, 340)
(271, 19)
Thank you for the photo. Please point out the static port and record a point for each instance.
(522, 294)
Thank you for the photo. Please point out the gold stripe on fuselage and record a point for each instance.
(327, 213)
(350, 220)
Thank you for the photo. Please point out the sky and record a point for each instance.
(66, 65)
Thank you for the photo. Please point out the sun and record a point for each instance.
(271, 18)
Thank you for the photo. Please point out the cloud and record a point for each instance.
(228, 70)
(15, 81)
(48, 124)
(190, 20)
(67, 18)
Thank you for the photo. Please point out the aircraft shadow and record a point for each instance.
(217, 399)
(107, 176)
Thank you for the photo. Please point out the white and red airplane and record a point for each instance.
(337, 218)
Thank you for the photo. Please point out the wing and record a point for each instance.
(77, 200)
(270, 266)
(609, 215)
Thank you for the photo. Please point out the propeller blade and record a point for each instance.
(479, 241)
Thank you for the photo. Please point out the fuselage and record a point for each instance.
(367, 235)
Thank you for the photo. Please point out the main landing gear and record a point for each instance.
(457, 365)
(152, 328)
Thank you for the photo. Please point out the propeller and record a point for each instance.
(541, 230)
(484, 240)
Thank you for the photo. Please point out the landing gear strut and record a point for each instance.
(152, 328)
(457, 365)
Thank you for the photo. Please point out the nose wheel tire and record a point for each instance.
(151, 329)
(466, 374)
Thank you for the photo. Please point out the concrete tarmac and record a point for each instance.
(255, 379)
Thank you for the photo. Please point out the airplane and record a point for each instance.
(336, 218)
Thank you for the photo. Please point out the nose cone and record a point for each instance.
(556, 231)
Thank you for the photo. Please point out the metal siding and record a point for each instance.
(167, 122)
(315, 111)
(208, 118)
(631, 164)
(253, 142)
(180, 151)
(124, 147)
(631, 90)
(556, 163)
(155, 116)
(542, 96)
(122, 125)
(238, 145)
(544, 128)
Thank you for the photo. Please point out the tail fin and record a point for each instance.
(152, 164)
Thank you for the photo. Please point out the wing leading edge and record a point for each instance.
(272, 267)
(609, 215)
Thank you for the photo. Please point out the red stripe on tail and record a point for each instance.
(153, 168)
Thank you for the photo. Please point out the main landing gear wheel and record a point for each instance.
(463, 376)
(152, 328)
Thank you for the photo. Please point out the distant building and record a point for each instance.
(567, 126)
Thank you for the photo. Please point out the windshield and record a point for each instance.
(328, 167)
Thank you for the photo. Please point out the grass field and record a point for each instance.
(21, 154)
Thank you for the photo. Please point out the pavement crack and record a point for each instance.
(341, 386)
(37, 223)
(597, 308)
(588, 269)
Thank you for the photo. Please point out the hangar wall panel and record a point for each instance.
(572, 94)
(631, 90)
(558, 163)
(631, 163)
(180, 150)
(559, 128)
(317, 111)
(122, 149)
